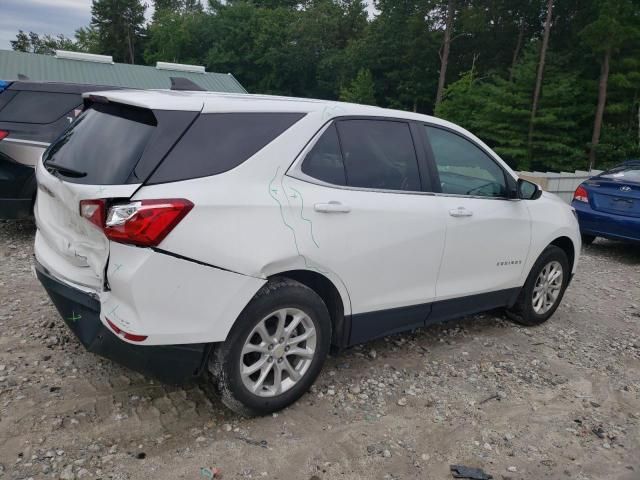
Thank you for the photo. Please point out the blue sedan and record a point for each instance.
(608, 205)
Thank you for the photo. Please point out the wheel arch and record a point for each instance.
(567, 245)
(337, 301)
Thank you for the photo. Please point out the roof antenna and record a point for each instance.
(22, 77)
(181, 83)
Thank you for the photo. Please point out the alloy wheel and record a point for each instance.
(547, 287)
(278, 352)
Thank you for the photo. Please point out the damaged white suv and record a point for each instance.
(242, 235)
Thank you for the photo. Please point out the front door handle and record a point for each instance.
(332, 207)
(460, 212)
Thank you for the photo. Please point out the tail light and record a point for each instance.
(144, 223)
(3, 134)
(581, 194)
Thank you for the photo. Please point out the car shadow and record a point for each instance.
(624, 252)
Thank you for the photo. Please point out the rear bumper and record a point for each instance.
(81, 312)
(608, 225)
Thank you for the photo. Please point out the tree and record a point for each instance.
(360, 90)
(120, 28)
(45, 44)
(616, 24)
(538, 86)
(444, 52)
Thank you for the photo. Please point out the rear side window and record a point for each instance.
(379, 154)
(104, 144)
(218, 142)
(38, 107)
(324, 161)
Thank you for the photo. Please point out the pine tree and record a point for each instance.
(120, 27)
(360, 90)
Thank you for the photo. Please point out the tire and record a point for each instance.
(523, 311)
(245, 394)
(587, 239)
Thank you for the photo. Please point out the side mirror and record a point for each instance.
(528, 190)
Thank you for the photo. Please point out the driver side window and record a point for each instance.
(464, 169)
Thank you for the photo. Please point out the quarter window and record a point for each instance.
(464, 169)
(38, 107)
(324, 161)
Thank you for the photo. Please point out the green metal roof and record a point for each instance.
(52, 69)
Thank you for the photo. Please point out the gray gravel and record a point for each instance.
(557, 401)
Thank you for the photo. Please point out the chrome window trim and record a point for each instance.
(295, 171)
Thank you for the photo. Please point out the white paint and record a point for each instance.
(390, 250)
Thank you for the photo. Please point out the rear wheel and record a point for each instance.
(544, 288)
(275, 350)
(587, 239)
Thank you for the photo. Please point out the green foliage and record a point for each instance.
(119, 27)
(45, 44)
(334, 49)
(360, 90)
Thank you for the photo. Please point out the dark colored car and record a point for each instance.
(608, 205)
(32, 115)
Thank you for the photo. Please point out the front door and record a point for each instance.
(488, 233)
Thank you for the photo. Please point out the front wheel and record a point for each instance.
(275, 350)
(544, 288)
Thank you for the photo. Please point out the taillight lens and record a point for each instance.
(93, 210)
(581, 194)
(144, 223)
(3, 134)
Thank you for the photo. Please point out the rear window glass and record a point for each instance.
(629, 173)
(104, 143)
(38, 107)
(324, 161)
(218, 142)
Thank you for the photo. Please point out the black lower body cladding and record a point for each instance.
(174, 364)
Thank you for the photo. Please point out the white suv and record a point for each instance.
(243, 235)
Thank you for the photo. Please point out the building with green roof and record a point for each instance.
(76, 67)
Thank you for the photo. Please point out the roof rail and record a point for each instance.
(85, 57)
(180, 67)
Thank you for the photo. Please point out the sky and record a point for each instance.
(43, 16)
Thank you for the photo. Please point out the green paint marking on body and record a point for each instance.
(303, 217)
(74, 318)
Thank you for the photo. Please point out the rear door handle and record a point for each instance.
(332, 207)
(460, 212)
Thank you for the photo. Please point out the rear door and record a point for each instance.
(106, 154)
(357, 204)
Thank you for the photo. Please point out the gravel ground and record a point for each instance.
(557, 401)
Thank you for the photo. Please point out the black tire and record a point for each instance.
(587, 239)
(523, 312)
(224, 363)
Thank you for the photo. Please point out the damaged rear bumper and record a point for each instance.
(81, 312)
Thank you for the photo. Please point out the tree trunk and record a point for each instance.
(444, 57)
(130, 44)
(536, 91)
(516, 52)
(602, 100)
